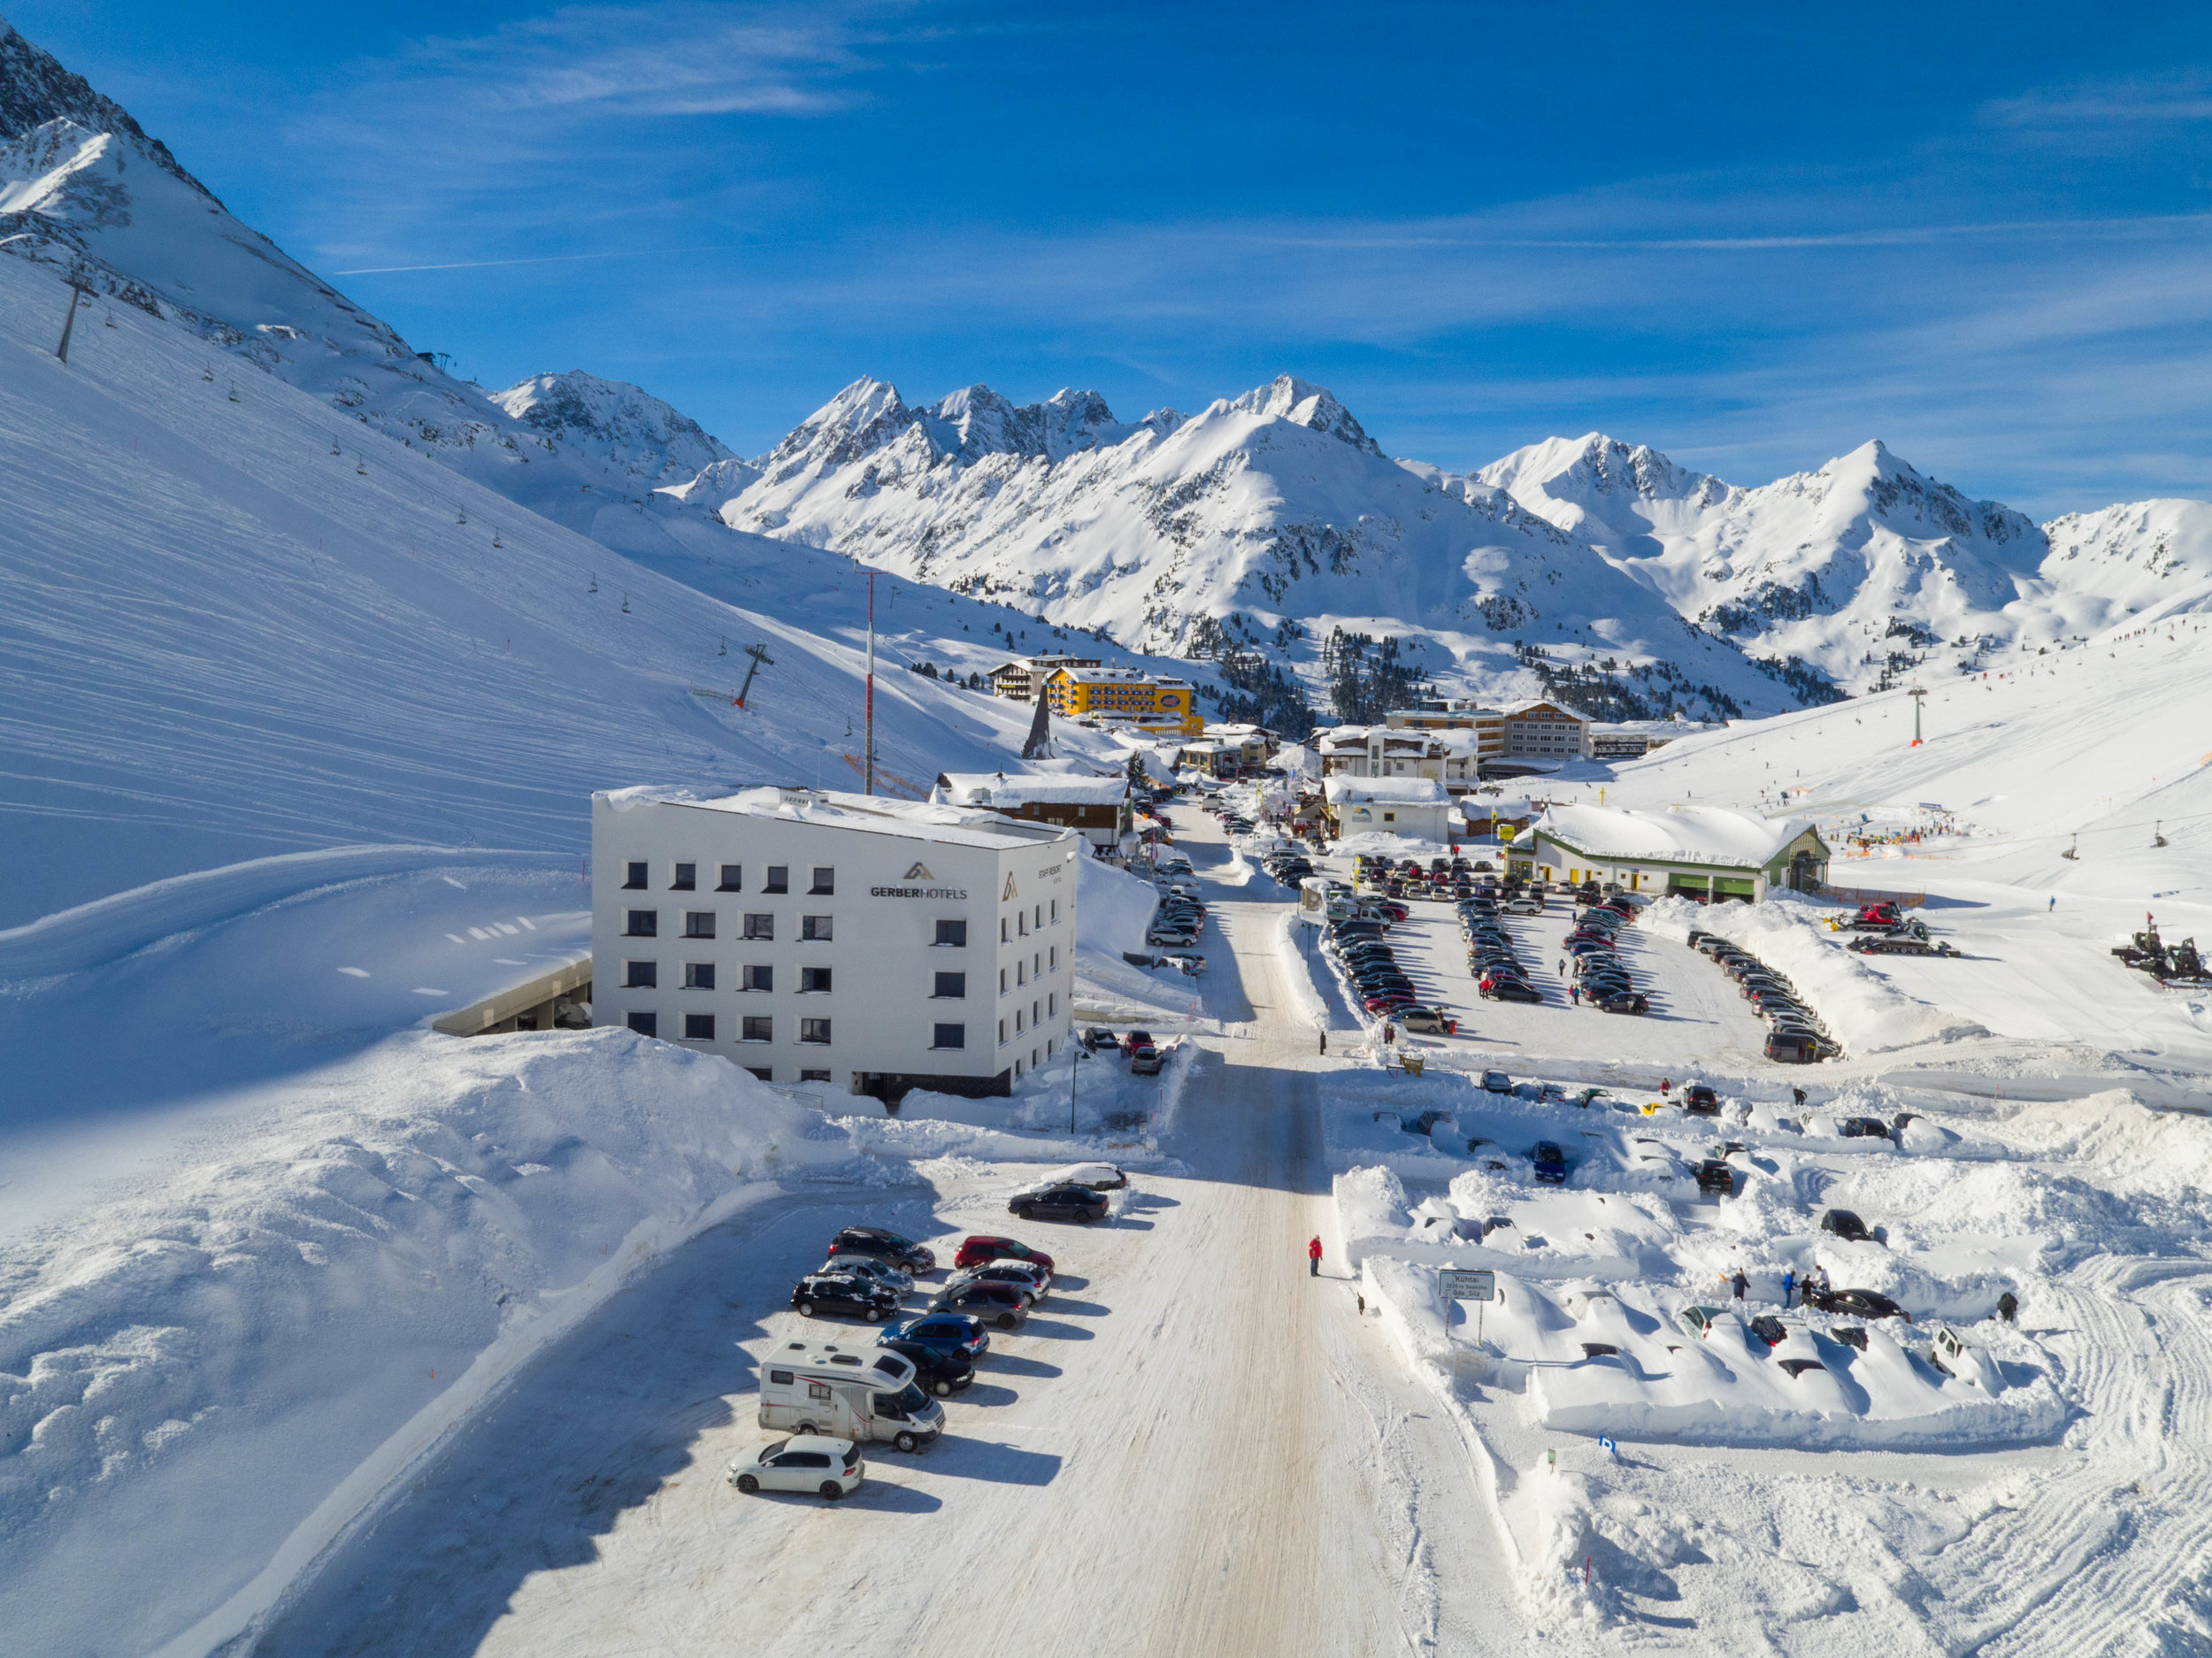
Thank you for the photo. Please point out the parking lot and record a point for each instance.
(1695, 1013)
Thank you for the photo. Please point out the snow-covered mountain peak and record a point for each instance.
(976, 421)
(1286, 397)
(36, 90)
(1568, 479)
(631, 428)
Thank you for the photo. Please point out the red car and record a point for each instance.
(1387, 1003)
(1396, 912)
(980, 1250)
(1135, 1039)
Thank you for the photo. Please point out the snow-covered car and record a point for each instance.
(903, 1253)
(1497, 1082)
(1100, 1176)
(1847, 1225)
(1856, 1303)
(1549, 1164)
(884, 1273)
(805, 1462)
(1699, 1321)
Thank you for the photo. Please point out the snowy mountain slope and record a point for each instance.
(1841, 566)
(226, 641)
(1271, 508)
(649, 440)
(2146, 559)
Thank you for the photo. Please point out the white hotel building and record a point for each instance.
(876, 945)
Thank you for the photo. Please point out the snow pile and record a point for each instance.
(238, 1336)
(1370, 1208)
(1290, 951)
(1862, 1010)
(1113, 910)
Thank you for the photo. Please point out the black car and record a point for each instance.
(1096, 1038)
(1715, 1175)
(1550, 1163)
(1770, 1330)
(1060, 1203)
(1862, 1128)
(942, 1373)
(851, 1293)
(1846, 1225)
(1513, 990)
(1700, 1101)
(903, 1253)
(1634, 1001)
(1858, 1303)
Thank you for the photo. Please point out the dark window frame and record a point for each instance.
(698, 1027)
(643, 1021)
(732, 879)
(951, 923)
(821, 1025)
(699, 924)
(698, 975)
(761, 928)
(640, 975)
(824, 878)
(938, 1042)
(685, 878)
(779, 879)
(809, 989)
(636, 877)
(938, 993)
(642, 924)
(765, 1022)
(816, 930)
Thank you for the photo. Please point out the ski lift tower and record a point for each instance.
(1918, 697)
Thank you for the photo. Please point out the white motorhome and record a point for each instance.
(870, 1394)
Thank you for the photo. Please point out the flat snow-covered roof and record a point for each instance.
(1681, 835)
(1399, 790)
(1000, 789)
(868, 814)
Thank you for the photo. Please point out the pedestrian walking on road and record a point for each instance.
(1563, 967)
(1313, 1259)
(1574, 994)
(1740, 1284)
(1324, 1041)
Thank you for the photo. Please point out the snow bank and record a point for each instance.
(1307, 1005)
(265, 1333)
(1370, 1210)
(1863, 1011)
(1113, 909)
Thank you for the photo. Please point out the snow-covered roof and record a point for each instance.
(1513, 811)
(1513, 711)
(1397, 791)
(1657, 727)
(1003, 790)
(869, 814)
(1680, 834)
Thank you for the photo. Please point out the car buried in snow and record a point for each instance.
(1847, 1225)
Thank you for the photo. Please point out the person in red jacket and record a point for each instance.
(1313, 1259)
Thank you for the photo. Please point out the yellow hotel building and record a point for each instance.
(1123, 694)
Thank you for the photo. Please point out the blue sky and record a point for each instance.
(1979, 233)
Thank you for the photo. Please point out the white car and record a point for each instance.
(882, 1271)
(1522, 905)
(1032, 1281)
(805, 1462)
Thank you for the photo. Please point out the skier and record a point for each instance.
(1313, 1259)
(1740, 1284)
(2053, 904)
(1789, 1288)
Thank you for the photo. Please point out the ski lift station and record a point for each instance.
(1704, 852)
(873, 944)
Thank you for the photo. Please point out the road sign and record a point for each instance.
(1468, 1286)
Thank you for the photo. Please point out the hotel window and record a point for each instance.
(1018, 1018)
(1055, 912)
(1055, 954)
(1021, 972)
(761, 927)
(814, 981)
(816, 1032)
(1001, 929)
(698, 924)
(1002, 981)
(634, 878)
(824, 882)
(759, 976)
(1001, 1031)
(951, 988)
(952, 932)
(814, 929)
(950, 1036)
(645, 1023)
(757, 1027)
(814, 1076)
(698, 1027)
(779, 879)
(1052, 1004)
(732, 879)
(698, 975)
(640, 975)
(687, 879)
(644, 924)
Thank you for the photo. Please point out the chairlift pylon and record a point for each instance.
(594, 582)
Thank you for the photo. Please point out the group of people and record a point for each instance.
(1816, 1280)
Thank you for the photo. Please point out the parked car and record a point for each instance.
(903, 1253)
(1861, 1128)
(805, 1462)
(1497, 1082)
(1769, 1330)
(1793, 1047)
(1699, 1321)
(1633, 1002)
(1002, 1306)
(1135, 1039)
(1145, 1062)
(1550, 1162)
(1526, 904)
(870, 1266)
(959, 1333)
(1499, 988)
(850, 1293)
(1846, 1225)
(982, 1247)
(1795, 1367)
(1857, 1303)
(1032, 1281)
(1100, 1176)
(1060, 1203)
(1715, 1175)
(1428, 1021)
(943, 1373)
(1096, 1038)
(1700, 1099)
